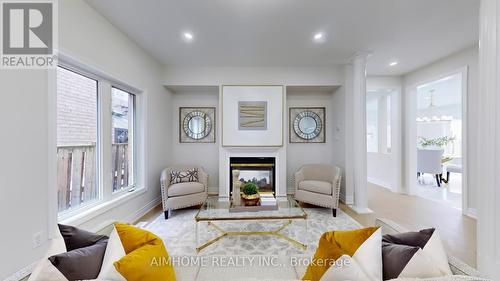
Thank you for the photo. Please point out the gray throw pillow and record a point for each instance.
(76, 238)
(81, 264)
(399, 249)
(84, 256)
(394, 259)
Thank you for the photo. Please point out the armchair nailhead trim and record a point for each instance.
(316, 204)
(183, 206)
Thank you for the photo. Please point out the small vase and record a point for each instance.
(236, 188)
(236, 193)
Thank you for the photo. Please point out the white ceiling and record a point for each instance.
(447, 91)
(279, 32)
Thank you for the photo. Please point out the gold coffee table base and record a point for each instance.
(276, 233)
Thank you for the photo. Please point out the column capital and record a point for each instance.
(360, 55)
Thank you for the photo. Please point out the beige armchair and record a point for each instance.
(318, 184)
(183, 194)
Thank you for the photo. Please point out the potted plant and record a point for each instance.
(437, 142)
(250, 194)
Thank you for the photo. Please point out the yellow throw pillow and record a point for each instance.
(133, 238)
(147, 258)
(333, 245)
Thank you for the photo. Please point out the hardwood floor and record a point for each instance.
(457, 231)
(150, 216)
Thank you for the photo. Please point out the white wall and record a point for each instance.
(384, 169)
(298, 154)
(185, 77)
(24, 207)
(469, 58)
(23, 168)
(204, 154)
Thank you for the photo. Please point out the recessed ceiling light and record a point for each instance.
(188, 36)
(394, 63)
(318, 37)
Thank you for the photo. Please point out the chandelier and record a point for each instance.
(431, 113)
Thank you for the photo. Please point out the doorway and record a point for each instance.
(383, 137)
(437, 139)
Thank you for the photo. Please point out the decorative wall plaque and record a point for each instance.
(196, 124)
(307, 125)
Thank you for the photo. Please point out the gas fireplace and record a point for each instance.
(259, 170)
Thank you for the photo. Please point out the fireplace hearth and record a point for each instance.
(260, 170)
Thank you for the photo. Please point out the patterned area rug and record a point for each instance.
(248, 258)
(179, 234)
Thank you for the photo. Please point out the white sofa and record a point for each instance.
(462, 270)
(457, 266)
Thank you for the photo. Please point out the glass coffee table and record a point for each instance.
(217, 209)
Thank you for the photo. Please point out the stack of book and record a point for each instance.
(267, 200)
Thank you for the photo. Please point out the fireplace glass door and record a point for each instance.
(259, 170)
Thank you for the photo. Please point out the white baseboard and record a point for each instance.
(134, 217)
(380, 183)
(471, 212)
(360, 211)
(213, 190)
(349, 200)
(21, 274)
(130, 218)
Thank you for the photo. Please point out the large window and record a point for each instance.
(122, 106)
(76, 140)
(96, 127)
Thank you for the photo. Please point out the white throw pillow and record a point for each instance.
(414, 255)
(431, 261)
(420, 266)
(346, 268)
(364, 265)
(114, 252)
(45, 270)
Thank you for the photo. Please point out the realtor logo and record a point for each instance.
(27, 34)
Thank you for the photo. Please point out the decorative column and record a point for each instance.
(356, 114)
(486, 178)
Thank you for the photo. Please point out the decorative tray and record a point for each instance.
(243, 208)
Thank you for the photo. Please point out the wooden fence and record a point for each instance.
(120, 165)
(76, 173)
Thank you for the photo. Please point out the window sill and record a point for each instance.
(380, 153)
(88, 214)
